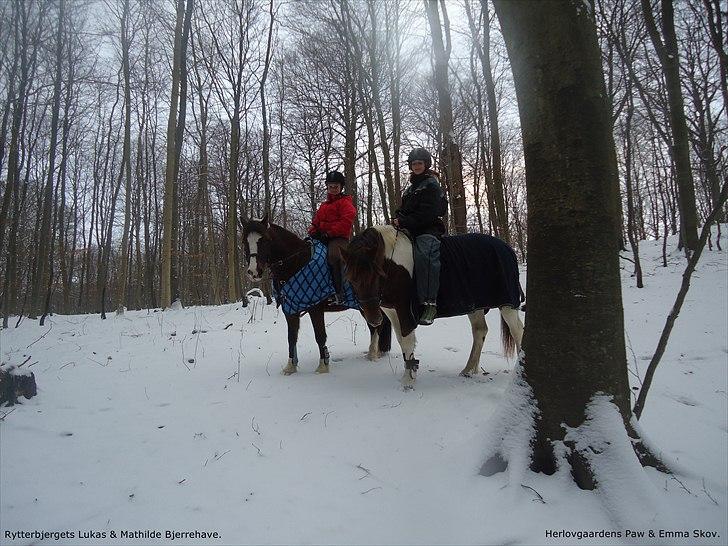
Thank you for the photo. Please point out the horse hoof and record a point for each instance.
(323, 368)
(408, 381)
(289, 370)
(373, 357)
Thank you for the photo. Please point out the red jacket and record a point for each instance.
(335, 217)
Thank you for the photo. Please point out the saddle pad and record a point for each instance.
(478, 272)
(312, 284)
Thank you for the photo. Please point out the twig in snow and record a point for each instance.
(4, 415)
(41, 337)
(540, 498)
(260, 453)
(183, 480)
(708, 494)
(256, 428)
(326, 417)
(305, 415)
(25, 361)
(683, 486)
(367, 472)
(368, 490)
(249, 382)
(266, 364)
(218, 457)
(146, 393)
(228, 326)
(635, 373)
(67, 364)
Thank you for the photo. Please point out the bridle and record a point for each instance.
(278, 263)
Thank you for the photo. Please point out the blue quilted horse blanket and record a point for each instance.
(478, 272)
(312, 284)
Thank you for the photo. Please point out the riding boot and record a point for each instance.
(337, 271)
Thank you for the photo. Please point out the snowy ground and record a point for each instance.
(175, 421)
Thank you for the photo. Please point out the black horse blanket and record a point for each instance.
(478, 272)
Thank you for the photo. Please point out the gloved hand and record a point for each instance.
(321, 236)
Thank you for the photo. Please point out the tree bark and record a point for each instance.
(125, 161)
(45, 251)
(169, 204)
(574, 342)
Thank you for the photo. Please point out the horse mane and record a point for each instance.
(365, 255)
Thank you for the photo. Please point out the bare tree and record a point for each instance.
(450, 158)
(666, 47)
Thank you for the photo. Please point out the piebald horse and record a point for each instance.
(283, 253)
(380, 264)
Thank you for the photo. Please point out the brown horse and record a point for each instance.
(283, 253)
(380, 267)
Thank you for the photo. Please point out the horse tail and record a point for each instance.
(507, 341)
(385, 335)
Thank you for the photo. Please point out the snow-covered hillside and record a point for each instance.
(181, 421)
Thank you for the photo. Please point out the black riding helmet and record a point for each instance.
(335, 177)
(420, 154)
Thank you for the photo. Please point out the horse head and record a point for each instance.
(257, 241)
(364, 260)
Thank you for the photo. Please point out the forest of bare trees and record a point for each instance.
(135, 135)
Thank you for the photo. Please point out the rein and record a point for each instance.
(289, 257)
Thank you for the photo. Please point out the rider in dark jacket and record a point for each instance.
(423, 205)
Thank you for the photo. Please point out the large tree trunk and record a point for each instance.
(574, 351)
(45, 250)
(125, 161)
(232, 219)
(169, 182)
(264, 111)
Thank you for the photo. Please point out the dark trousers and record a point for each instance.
(427, 267)
(334, 260)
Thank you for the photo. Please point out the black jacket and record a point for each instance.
(422, 206)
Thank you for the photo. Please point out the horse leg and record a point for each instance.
(407, 343)
(319, 330)
(373, 352)
(480, 329)
(294, 322)
(511, 319)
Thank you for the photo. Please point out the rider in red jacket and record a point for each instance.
(333, 224)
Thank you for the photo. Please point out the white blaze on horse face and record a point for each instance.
(253, 239)
(397, 247)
